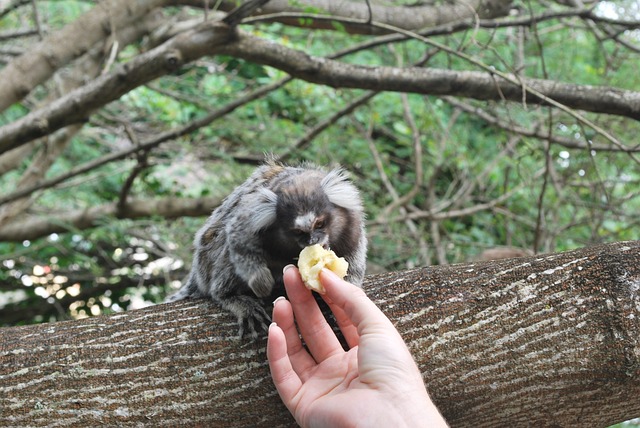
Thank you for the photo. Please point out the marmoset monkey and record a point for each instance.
(262, 226)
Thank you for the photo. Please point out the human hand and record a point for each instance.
(375, 383)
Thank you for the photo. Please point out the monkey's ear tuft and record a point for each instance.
(264, 210)
(340, 190)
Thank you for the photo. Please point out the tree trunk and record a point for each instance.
(543, 341)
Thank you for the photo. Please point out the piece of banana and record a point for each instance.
(311, 261)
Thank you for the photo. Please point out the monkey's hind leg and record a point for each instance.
(252, 317)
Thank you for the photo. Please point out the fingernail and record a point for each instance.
(273, 324)
(286, 268)
(278, 299)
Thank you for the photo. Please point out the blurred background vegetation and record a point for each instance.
(443, 178)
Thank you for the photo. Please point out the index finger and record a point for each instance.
(316, 332)
(363, 313)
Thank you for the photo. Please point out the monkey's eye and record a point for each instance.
(298, 232)
(319, 224)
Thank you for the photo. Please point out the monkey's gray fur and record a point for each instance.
(262, 226)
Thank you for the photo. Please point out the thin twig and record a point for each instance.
(417, 158)
(444, 215)
(562, 141)
(234, 17)
(141, 165)
(320, 127)
(411, 226)
(12, 6)
(36, 18)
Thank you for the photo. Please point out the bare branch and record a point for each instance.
(77, 105)
(37, 227)
(52, 145)
(441, 214)
(48, 153)
(141, 164)
(455, 25)
(211, 38)
(411, 225)
(36, 18)
(23, 74)
(470, 84)
(416, 17)
(146, 145)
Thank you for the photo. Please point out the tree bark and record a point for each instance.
(548, 340)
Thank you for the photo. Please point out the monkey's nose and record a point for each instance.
(322, 240)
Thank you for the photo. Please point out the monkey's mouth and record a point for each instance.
(323, 241)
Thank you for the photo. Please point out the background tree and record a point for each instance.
(467, 125)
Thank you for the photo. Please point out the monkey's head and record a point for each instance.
(314, 207)
(305, 217)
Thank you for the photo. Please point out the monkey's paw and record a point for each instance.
(261, 282)
(252, 317)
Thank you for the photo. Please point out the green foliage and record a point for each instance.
(13, 113)
(635, 423)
